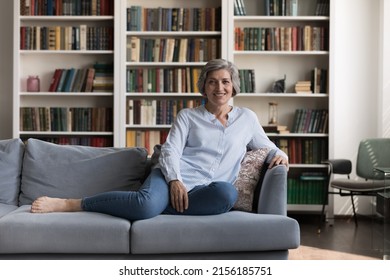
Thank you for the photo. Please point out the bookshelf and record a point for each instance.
(288, 42)
(148, 87)
(72, 38)
(164, 46)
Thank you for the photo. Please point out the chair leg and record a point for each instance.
(354, 210)
(322, 211)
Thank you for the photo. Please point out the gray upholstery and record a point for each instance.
(24, 232)
(11, 155)
(78, 171)
(229, 232)
(6, 208)
(274, 189)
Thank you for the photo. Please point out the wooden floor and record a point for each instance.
(342, 240)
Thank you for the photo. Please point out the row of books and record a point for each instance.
(93, 141)
(173, 49)
(173, 19)
(281, 7)
(310, 121)
(65, 119)
(247, 80)
(322, 8)
(303, 150)
(283, 38)
(66, 7)
(81, 37)
(306, 191)
(157, 112)
(166, 80)
(98, 78)
(146, 138)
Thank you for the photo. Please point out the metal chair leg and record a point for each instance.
(354, 210)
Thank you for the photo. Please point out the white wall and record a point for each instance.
(6, 69)
(384, 68)
(356, 89)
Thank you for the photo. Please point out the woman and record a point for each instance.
(198, 164)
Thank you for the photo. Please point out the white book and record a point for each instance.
(83, 37)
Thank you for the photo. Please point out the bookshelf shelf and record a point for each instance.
(281, 18)
(282, 53)
(65, 133)
(282, 95)
(165, 64)
(66, 52)
(173, 33)
(163, 95)
(66, 94)
(65, 18)
(294, 135)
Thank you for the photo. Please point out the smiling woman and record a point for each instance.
(199, 162)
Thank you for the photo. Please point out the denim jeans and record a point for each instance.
(152, 199)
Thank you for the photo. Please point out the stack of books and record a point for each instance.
(303, 87)
(280, 129)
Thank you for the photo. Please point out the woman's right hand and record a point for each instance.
(179, 196)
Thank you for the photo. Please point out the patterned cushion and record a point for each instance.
(248, 178)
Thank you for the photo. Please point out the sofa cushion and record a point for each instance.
(78, 171)
(11, 156)
(229, 232)
(6, 208)
(248, 178)
(78, 232)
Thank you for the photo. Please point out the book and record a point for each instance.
(55, 80)
(281, 129)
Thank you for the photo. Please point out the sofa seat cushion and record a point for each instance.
(78, 171)
(78, 232)
(11, 157)
(229, 232)
(6, 208)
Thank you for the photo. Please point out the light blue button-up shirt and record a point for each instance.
(200, 150)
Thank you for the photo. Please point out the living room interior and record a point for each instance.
(359, 108)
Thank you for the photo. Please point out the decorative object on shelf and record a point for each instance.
(33, 84)
(279, 86)
(273, 113)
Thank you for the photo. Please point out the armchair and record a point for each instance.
(372, 153)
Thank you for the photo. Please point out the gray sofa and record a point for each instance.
(40, 168)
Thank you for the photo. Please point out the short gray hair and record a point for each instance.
(218, 64)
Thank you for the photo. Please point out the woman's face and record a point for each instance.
(218, 87)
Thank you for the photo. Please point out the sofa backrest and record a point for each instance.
(78, 171)
(11, 156)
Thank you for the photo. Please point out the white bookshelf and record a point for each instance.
(42, 63)
(127, 94)
(272, 65)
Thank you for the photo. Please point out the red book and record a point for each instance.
(55, 80)
(89, 80)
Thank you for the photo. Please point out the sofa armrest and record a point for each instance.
(272, 197)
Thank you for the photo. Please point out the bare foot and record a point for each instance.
(46, 204)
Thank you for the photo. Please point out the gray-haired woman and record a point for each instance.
(199, 161)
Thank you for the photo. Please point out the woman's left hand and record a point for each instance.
(278, 160)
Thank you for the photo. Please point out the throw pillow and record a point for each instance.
(77, 171)
(11, 156)
(248, 178)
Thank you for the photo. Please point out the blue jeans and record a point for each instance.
(152, 199)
